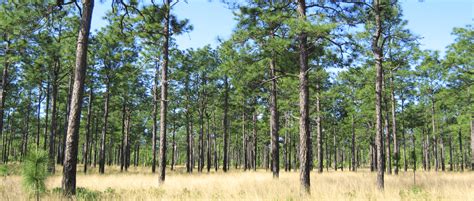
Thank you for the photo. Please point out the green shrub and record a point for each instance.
(34, 172)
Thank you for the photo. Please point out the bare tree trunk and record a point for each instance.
(70, 160)
(378, 54)
(154, 114)
(104, 128)
(201, 138)
(353, 158)
(126, 141)
(396, 156)
(164, 93)
(53, 130)
(208, 154)
(244, 139)
(48, 96)
(319, 129)
(305, 140)
(274, 124)
(335, 148)
(254, 119)
(38, 116)
(286, 142)
(225, 164)
(460, 150)
(122, 145)
(88, 127)
(3, 90)
(388, 152)
(66, 119)
(404, 139)
(472, 142)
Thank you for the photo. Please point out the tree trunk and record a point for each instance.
(319, 129)
(154, 114)
(254, 119)
(394, 124)
(70, 160)
(460, 149)
(225, 164)
(38, 117)
(66, 119)
(164, 93)
(388, 152)
(88, 128)
(378, 54)
(126, 141)
(48, 96)
(404, 139)
(53, 130)
(274, 124)
(472, 142)
(305, 140)
(104, 128)
(3, 90)
(208, 152)
(353, 158)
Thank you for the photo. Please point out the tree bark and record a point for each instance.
(378, 54)
(53, 130)
(164, 93)
(70, 160)
(88, 128)
(396, 156)
(319, 129)
(472, 142)
(225, 164)
(154, 114)
(460, 149)
(274, 124)
(48, 96)
(305, 140)
(3, 90)
(104, 127)
(353, 149)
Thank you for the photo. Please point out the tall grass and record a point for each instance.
(139, 184)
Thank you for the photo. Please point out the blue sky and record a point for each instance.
(433, 20)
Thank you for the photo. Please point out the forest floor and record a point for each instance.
(141, 184)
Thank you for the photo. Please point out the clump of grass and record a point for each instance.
(34, 172)
(4, 171)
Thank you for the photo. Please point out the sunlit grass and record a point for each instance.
(141, 184)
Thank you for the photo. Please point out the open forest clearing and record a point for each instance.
(217, 100)
(141, 184)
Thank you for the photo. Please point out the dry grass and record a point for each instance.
(139, 184)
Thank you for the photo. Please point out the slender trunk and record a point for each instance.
(96, 140)
(460, 149)
(48, 96)
(88, 128)
(274, 124)
(53, 130)
(353, 149)
(104, 128)
(208, 154)
(394, 124)
(286, 142)
(122, 145)
(66, 119)
(335, 148)
(70, 159)
(378, 54)
(3, 90)
(404, 139)
(254, 119)
(154, 114)
(472, 142)
(38, 118)
(225, 164)
(319, 129)
(450, 153)
(201, 138)
(126, 141)
(388, 153)
(173, 145)
(305, 140)
(164, 93)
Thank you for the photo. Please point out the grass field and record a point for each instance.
(141, 184)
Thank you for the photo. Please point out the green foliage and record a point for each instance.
(34, 172)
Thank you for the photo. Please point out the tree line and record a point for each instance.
(304, 85)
